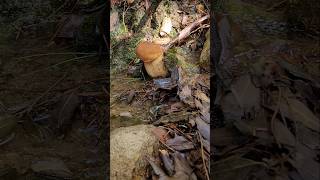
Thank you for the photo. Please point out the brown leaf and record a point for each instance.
(299, 112)
(182, 167)
(282, 134)
(231, 109)
(233, 165)
(160, 133)
(167, 162)
(180, 143)
(203, 128)
(307, 137)
(246, 94)
(305, 164)
(176, 106)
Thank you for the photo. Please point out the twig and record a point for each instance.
(48, 54)
(276, 5)
(201, 27)
(202, 156)
(57, 64)
(186, 32)
(167, 146)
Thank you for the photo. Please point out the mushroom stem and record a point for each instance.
(156, 68)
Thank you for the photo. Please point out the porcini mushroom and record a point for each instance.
(152, 56)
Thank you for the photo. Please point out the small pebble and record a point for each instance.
(126, 114)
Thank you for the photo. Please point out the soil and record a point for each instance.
(31, 70)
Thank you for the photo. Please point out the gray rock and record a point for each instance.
(129, 147)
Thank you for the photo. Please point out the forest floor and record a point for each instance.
(52, 108)
(266, 119)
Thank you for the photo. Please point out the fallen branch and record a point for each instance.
(186, 31)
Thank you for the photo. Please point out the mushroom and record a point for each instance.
(152, 56)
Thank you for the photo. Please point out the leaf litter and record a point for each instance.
(270, 115)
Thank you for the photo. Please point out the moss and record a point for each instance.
(173, 33)
(120, 31)
(138, 14)
(125, 121)
(177, 57)
(171, 59)
(124, 53)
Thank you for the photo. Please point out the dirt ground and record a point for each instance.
(33, 77)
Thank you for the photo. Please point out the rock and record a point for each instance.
(128, 148)
(126, 114)
(51, 168)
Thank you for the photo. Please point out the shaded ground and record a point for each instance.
(33, 78)
(270, 126)
(128, 104)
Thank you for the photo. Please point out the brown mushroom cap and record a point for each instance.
(148, 51)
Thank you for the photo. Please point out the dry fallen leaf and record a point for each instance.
(62, 115)
(180, 143)
(203, 128)
(299, 112)
(282, 134)
(246, 94)
(305, 164)
(160, 133)
(167, 162)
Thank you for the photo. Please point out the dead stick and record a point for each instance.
(186, 32)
